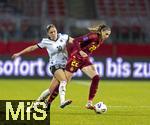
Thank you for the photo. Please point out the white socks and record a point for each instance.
(44, 95)
(62, 91)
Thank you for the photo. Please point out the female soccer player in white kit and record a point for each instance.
(55, 45)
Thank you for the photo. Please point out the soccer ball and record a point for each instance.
(100, 108)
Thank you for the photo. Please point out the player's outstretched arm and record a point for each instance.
(26, 50)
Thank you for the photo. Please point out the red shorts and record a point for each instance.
(74, 63)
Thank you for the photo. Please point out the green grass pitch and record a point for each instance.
(128, 102)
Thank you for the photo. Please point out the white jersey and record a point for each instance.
(56, 49)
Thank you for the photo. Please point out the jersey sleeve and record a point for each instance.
(86, 38)
(42, 44)
(65, 37)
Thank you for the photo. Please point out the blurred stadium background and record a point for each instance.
(23, 22)
(26, 19)
(125, 56)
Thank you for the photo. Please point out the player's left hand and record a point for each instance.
(15, 55)
(83, 54)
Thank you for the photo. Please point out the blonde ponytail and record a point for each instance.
(93, 29)
(98, 28)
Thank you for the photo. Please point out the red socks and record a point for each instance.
(94, 87)
(92, 92)
(53, 95)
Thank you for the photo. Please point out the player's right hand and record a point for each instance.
(15, 55)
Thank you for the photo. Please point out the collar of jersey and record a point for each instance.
(54, 40)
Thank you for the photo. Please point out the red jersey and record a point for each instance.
(87, 43)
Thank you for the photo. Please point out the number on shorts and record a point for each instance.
(74, 63)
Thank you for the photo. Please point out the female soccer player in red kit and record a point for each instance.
(79, 59)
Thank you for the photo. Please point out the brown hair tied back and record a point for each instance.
(49, 26)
